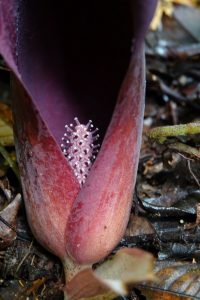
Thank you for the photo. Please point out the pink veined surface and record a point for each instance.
(49, 185)
(100, 212)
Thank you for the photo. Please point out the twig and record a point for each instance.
(25, 256)
(192, 173)
(7, 224)
(161, 133)
(180, 147)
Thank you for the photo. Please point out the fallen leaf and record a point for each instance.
(36, 284)
(176, 281)
(21, 289)
(10, 160)
(6, 130)
(113, 277)
(167, 7)
(139, 226)
(163, 7)
(185, 204)
(189, 17)
(8, 222)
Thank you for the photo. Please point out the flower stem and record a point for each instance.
(71, 269)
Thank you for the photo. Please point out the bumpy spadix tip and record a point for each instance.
(79, 149)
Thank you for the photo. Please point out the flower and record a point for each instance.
(79, 149)
(69, 59)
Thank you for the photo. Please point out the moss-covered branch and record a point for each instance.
(160, 134)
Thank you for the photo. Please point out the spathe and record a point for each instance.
(69, 60)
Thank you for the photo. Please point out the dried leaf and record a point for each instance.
(113, 277)
(184, 205)
(189, 17)
(10, 160)
(193, 3)
(6, 130)
(139, 226)
(176, 281)
(167, 7)
(8, 222)
(163, 7)
(21, 290)
(36, 284)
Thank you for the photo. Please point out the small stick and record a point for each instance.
(180, 147)
(25, 256)
(192, 173)
(161, 133)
